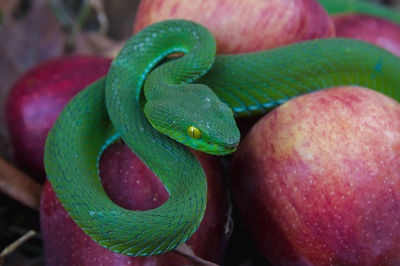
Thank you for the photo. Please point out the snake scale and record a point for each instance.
(156, 105)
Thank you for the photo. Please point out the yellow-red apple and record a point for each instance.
(370, 29)
(244, 26)
(317, 180)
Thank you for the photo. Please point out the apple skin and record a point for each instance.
(244, 26)
(37, 98)
(135, 188)
(317, 180)
(370, 29)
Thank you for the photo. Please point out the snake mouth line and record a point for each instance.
(221, 149)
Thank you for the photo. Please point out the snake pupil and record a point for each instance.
(194, 133)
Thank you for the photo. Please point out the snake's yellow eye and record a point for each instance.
(194, 133)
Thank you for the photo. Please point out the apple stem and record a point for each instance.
(187, 252)
(19, 186)
(13, 246)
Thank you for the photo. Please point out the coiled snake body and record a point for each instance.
(190, 100)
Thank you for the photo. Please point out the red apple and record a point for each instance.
(37, 98)
(374, 30)
(135, 188)
(317, 180)
(244, 26)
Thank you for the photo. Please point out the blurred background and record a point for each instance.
(32, 31)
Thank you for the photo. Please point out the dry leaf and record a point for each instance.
(7, 6)
(91, 43)
(120, 15)
(25, 41)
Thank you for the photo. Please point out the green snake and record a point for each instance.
(159, 105)
(356, 6)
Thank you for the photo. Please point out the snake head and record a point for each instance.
(194, 116)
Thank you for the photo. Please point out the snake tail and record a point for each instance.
(362, 7)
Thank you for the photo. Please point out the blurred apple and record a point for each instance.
(317, 180)
(130, 184)
(374, 30)
(37, 98)
(244, 26)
